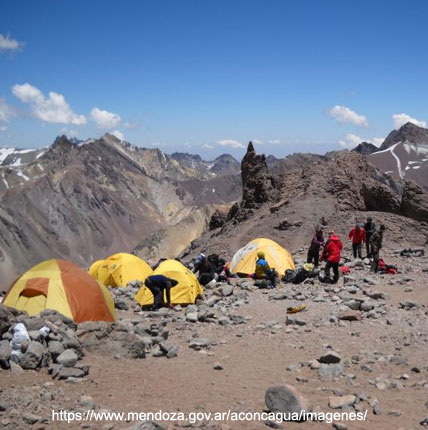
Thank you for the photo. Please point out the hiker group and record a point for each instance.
(84, 296)
(332, 247)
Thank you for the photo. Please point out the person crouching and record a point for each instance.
(158, 284)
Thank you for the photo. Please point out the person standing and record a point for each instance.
(314, 248)
(369, 228)
(158, 284)
(358, 237)
(332, 252)
(376, 245)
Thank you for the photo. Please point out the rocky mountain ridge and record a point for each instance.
(85, 201)
(333, 190)
(404, 154)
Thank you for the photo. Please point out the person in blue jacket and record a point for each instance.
(157, 284)
(263, 270)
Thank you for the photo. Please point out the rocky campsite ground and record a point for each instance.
(359, 345)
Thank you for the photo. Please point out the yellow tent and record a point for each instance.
(119, 269)
(185, 292)
(64, 287)
(244, 261)
(93, 270)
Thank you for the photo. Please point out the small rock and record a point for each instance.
(199, 343)
(4, 406)
(336, 402)
(227, 290)
(192, 317)
(339, 426)
(408, 304)
(377, 409)
(330, 357)
(87, 402)
(121, 305)
(217, 366)
(68, 358)
(30, 418)
(70, 372)
(350, 316)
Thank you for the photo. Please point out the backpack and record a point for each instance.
(289, 276)
(300, 276)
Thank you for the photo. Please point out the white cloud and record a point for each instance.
(208, 146)
(53, 108)
(352, 140)
(6, 111)
(344, 115)
(376, 141)
(70, 133)
(104, 119)
(269, 142)
(8, 44)
(401, 119)
(3, 128)
(118, 134)
(232, 143)
(130, 125)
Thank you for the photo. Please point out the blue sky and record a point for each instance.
(207, 76)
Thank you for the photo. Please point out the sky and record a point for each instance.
(206, 77)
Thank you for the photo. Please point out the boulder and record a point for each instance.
(5, 351)
(67, 358)
(33, 323)
(7, 319)
(55, 348)
(33, 356)
(285, 399)
(331, 370)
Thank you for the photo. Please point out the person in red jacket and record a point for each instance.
(358, 237)
(332, 252)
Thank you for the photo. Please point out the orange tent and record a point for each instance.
(62, 286)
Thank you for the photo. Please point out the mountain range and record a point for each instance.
(403, 154)
(86, 200)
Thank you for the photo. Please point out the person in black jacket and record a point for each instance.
(205, 269)
(157, 284)
(217, 263)
(314, 248)
(369, 228)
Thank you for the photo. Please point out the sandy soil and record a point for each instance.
(255, 358)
